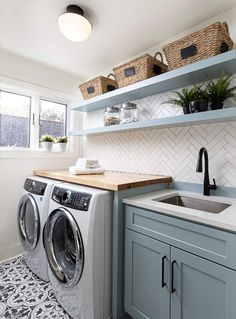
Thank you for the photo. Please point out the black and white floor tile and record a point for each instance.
(23, 295)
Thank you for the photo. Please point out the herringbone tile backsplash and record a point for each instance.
(169, 151)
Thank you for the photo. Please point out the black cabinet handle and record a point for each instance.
(172, 276)
(163, 283)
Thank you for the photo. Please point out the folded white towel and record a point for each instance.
(87, 163)
(87, 167)
(79, 171)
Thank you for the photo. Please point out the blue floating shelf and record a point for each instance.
(192, 73)
(226, 114)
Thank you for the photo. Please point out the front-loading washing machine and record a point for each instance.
(31, 216)
(78, 244)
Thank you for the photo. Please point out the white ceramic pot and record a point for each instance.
(61, 147)
(47, 146)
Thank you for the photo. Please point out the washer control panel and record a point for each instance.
(71, 199)
(35, 187)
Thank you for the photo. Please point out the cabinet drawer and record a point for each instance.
(213, 244)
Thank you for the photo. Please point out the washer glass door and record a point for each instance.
(28, 222)
(64, 247)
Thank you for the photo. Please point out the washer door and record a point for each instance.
(64, 247)
(28, 222)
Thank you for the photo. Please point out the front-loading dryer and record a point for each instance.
(78, 244)
(31, 216)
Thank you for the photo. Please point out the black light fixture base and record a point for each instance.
(72, 8)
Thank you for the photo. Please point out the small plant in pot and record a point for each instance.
(61, 142)
(199, 102)
(182, 99)
(220, 90)
(46, 141)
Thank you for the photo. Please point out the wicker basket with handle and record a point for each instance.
(98, 86)
(141, 68)
(210, 41)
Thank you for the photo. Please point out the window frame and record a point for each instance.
(37, 93)
(29, 125)
(66, 113)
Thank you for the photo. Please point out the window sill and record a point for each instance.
(29, 153)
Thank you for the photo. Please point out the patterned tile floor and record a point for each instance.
(23, 295)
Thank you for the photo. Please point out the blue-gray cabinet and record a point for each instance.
(201, 288)
(146, 277)
(164, 281)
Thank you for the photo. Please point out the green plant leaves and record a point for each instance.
(215, 92)
(220, 90)
(46, 138)
(50, 138)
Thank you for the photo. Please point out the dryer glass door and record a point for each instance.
(28, 222)
(64, 247)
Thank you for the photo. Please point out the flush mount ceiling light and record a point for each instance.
(73, 25)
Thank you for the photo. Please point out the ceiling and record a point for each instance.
(121, 29)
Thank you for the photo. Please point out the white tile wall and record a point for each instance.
(169, 151)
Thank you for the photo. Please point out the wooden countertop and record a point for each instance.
(110, 180)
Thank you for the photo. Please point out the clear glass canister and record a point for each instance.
(111, 116)
(129, 113)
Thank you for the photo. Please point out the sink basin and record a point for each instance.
(195, 203)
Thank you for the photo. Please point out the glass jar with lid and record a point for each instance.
(129, 113)
(111, 116)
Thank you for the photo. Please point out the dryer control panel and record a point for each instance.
(35, 187)
(71, 199)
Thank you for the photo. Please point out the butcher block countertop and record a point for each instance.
(114, 181)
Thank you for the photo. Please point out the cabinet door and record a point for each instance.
(147, 262)
(201, 288)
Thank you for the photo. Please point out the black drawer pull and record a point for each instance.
(172, 276)
(163, 283)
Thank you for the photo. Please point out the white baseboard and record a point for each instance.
(10, 252)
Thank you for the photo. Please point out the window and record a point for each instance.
(25, 117)
(52, 118)
(15, 112)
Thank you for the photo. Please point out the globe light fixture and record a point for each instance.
(73, 25)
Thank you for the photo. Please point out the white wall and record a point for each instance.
(31, 74)
(169, 151)
(227, 16)
(15, 167)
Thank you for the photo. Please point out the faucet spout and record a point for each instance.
(206, 184)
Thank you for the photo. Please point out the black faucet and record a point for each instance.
(206, 186)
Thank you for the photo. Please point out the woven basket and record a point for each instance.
(98, 86)
(210, 41)
(139, 69)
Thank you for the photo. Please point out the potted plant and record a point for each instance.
(182, 99)
(46, 141)
(220, 90)
(61, 142)
(199, 99)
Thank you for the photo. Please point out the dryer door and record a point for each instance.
(64, 247)
(28, 222)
